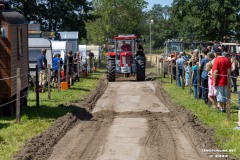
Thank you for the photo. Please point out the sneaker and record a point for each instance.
(237, 128)
(223, 110)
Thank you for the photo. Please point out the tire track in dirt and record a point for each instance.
(176, 135)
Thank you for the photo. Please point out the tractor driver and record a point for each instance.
(125, 47)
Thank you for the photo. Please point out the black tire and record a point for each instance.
(140, 69)
(111, 69)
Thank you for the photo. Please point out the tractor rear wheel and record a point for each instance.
(140, 69)
(111, 68)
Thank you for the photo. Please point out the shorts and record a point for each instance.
(187, 81)
(211, 89)
(42, 77)
(222, 93)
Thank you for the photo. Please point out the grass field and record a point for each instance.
(225, 136)
(36, 120)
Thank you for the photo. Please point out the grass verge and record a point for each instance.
(36, 120)
(226, 138)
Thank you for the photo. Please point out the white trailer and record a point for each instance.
(34, 48)
(71, 37)
(61, 47)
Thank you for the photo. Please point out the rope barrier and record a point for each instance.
(8, 103)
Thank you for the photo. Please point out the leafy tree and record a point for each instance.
(69, 15)
(115, 17)
(163, 27)
(209, 19)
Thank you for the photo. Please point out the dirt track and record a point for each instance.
(160, 131)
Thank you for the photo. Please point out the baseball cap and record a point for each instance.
(217, 49)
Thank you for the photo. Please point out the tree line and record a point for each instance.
(97, 20)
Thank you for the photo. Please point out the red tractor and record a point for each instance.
(123, 59)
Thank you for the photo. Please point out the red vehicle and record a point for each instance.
(123, 59)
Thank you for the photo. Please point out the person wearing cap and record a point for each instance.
(221, 67)
(204, 75)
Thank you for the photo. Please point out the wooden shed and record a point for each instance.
(13, 54)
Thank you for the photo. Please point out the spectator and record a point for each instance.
(195, 55)
(173, 68)
(140, 52)
(209, 48)
(56, 60)
(187, 68)
(234, 73)
(221, 68)
(194, 77)
(204, 75)
(68, 58)
(211, 89)
(180, 63)
(75, 58)
(42, 68)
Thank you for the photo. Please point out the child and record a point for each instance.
(211, 89)
(194, 77)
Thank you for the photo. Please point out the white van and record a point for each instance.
(34, 48)
(61, 47)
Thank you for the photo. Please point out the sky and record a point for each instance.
(162, 2)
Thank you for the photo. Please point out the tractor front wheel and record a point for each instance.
(111, 68)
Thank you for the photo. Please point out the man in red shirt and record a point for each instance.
(221, 68)
(125, 47)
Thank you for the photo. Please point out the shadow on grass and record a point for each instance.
(80, 89)
(46, 112)
(91, 78)
(4, 125)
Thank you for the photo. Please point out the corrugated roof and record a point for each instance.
(69, 35)
(13, 17)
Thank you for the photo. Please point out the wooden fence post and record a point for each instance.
(190, 79)
(156, 64)
(78, 68)
(229, 96)
(171, 71)
(37, 87)
(177, 74)
(93, 64)
(67, 70)
(49, 81)
(169, 67)
(18, 117)
(183, 77)
(198, 83)
(59, 82)
(163, 73)
(99, 61)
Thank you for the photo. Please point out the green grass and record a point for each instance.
(225, 136)
(36, 120)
